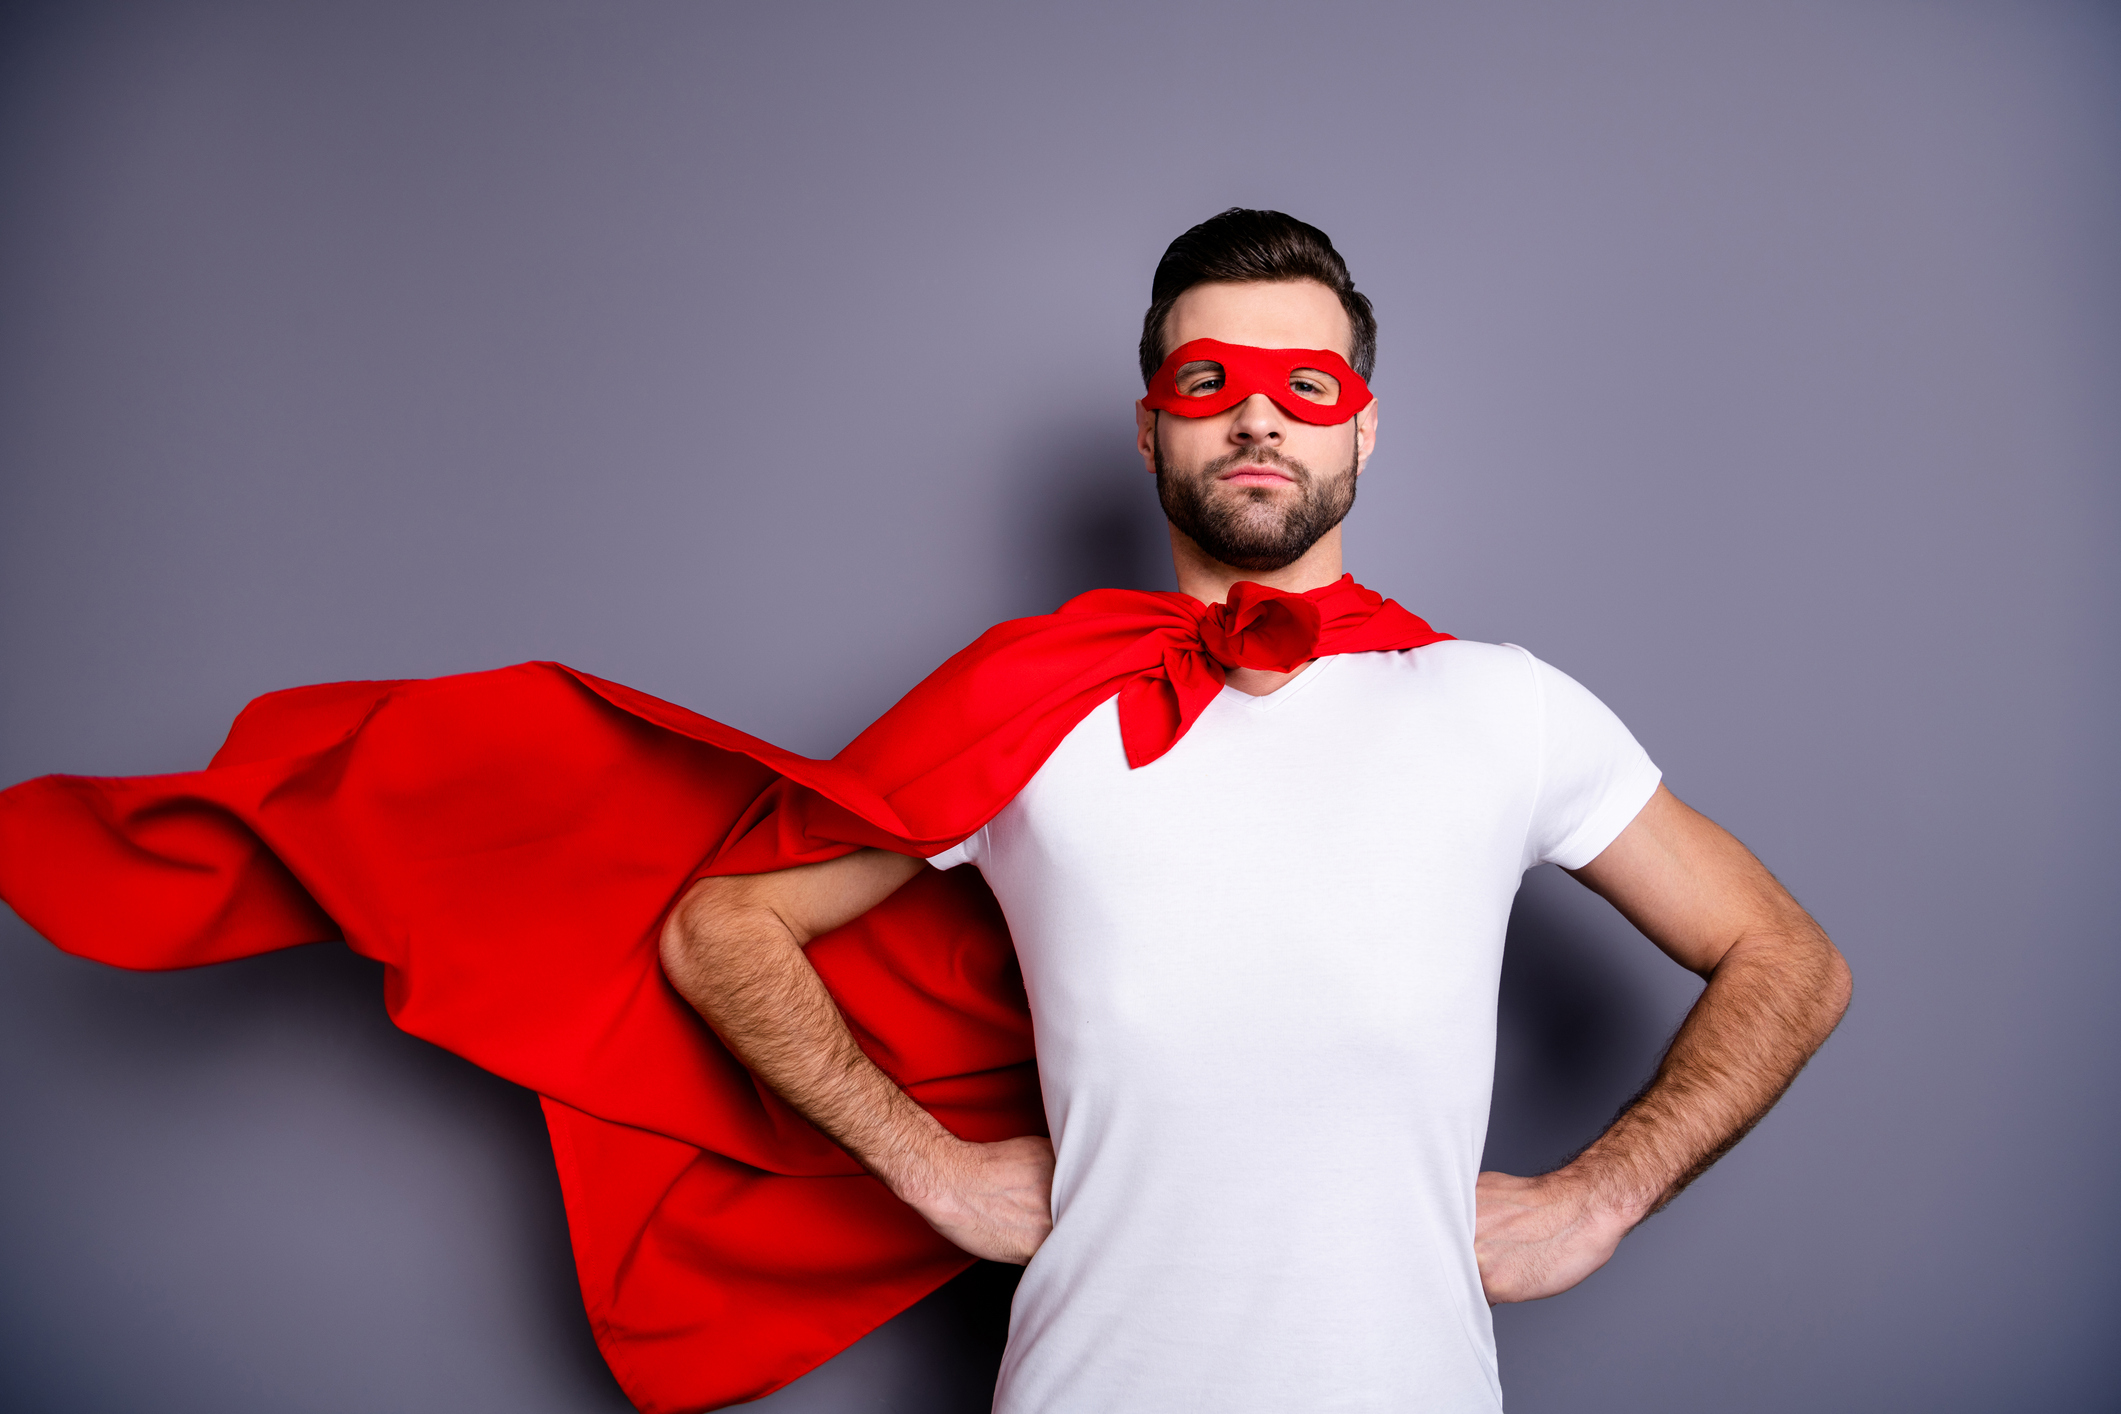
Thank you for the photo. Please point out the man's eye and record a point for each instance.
(1198, 380)
(1315, 388)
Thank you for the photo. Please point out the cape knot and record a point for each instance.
(1258, 627)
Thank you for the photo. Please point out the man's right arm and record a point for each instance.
(734, 948)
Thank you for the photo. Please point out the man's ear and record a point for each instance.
(1365, 435)
(1145, 435)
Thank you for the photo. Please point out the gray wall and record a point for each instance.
(1755, 363)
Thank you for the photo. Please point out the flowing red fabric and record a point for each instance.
(507, 843)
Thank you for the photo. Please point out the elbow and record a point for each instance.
(1803, 971)
(690, 929)
(1839, 983)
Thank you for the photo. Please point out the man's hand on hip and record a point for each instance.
(993, 1200)
(1536, 1237)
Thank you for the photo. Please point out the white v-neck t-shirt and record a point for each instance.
(1262, 972)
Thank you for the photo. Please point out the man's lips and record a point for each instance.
(1255, 474)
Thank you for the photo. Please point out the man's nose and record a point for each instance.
(1259, 422)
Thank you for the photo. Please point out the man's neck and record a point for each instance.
(1209, 580)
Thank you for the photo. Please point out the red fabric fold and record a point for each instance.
(507, 843)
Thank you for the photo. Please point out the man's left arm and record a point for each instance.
(1776, 989)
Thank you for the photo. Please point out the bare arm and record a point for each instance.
(1776, 989)
(734, 948)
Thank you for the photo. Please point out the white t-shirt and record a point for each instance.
(1262, 973)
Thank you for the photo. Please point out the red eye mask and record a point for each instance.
(1325, 400)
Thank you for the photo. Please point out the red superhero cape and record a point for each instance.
(507, 843)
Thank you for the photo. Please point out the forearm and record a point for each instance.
(734, 949)
(743, 969)
(1771, 1001)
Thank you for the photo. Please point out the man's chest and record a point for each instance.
(1361, 767)
(1348, 844)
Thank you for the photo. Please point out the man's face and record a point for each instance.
(1252, 486)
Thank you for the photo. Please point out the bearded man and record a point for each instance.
(1262, 966)
(1253, 846)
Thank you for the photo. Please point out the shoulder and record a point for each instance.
(1483, 691)
(1455, 664)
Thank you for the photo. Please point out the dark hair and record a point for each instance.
(1240, 246)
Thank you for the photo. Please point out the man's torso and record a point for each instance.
(1262, 974)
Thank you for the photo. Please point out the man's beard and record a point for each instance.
(1242, 526)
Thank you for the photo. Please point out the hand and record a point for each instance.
(993, 1200)
(1536, 1237)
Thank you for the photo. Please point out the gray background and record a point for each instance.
(1757, 364)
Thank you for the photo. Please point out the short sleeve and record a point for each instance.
(966, 851)
(1594, 778)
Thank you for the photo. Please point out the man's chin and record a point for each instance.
(1252, 513)
(1258, 522)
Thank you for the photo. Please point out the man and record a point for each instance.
(1262, 967)
(1255, 842)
